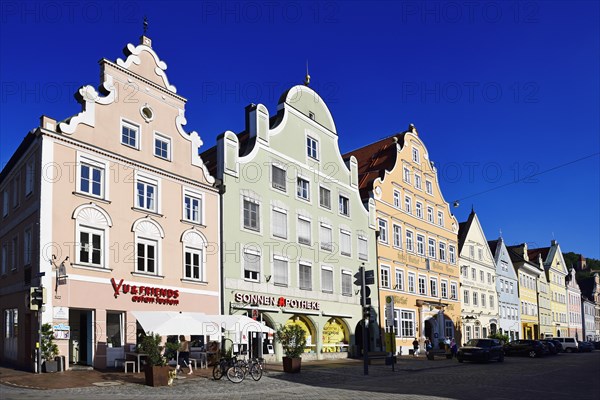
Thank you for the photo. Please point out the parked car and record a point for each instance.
(481, 350)
(596, 345)
(569, 344)
(550, 347)
(557, 345)
(528, 347)
(585, 347)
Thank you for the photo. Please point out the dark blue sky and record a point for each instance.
(497, 90)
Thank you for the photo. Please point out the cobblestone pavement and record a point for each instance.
(566, 376)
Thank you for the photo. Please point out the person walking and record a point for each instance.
(184, 354)
(415, 344)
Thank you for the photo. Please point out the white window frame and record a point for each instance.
(422, 283)
(433, 287)
(431, 248)
(420, 244)
(147, 242)
(466, 297)
(428, 186)
(304, 241)
(277, 185)
(343, 250)
(302, 188)
(419, 209)
(27, 245)
(382, 224)
(249, 252)
(418, 182)
(415, 155)
(138, 134)
(326, 270)
(430, 214)
(344, 205)
(407, 323)
(312, 151)
(408, 204)
(147, 180)
(406, 174)
(363, 255)
(300, 282)
(346, 283)
(29, 176)
(452, 253)
(410, 244)
(444, 288)
(384, 277)
(193, 195)
(399, 279)
(321, 204)
(98, 163)
(440, 216)
(442, 251)
(325, 245)
(250, 227)
(164, 139)
(194, 250)
(412, 282)
(397, 199)
(397, 235)
(286, 275)
(453, 291)
(274, 232)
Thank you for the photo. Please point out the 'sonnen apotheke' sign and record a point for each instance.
(261, 299)
(146, 294)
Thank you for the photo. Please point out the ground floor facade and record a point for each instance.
(530, 330)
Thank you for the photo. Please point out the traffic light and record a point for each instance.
(367, 312)
(358, 277)
(37, 298)
(362, 279)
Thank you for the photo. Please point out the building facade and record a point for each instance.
(122, 216)
(480, 308)
(506, 278)
(530, 292)
(295, 230)
(417, 239)
(574, 306)
(556, 274)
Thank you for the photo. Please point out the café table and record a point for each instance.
(139, 356)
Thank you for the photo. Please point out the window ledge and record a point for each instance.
(145, 211)
(194, 281)
(90, 268)
(91, 197)
(145, 275)
(198, 224)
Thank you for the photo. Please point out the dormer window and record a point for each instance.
(312, 148)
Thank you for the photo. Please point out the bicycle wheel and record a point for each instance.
(218, 371)
(235, 374)
(255, 372)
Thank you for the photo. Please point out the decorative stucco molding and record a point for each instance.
(196, 143)
(133, 57)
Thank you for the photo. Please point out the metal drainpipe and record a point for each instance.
(222, 189)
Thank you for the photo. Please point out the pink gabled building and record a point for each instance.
(111, 211)
(574, 306)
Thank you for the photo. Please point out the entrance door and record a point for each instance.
(82, 334)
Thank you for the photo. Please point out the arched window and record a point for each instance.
(194, 256)
(92, 225)
(148, 246)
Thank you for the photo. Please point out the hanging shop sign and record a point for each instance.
(146, 294)
(274, 301)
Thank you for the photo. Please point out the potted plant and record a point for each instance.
(49, 349)
(293, 340)
(156, 370)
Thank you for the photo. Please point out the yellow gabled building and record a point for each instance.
(417, 254)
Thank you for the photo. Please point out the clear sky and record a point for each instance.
(499, 91)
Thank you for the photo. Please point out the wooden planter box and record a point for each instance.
(157, 376)
(291, 365)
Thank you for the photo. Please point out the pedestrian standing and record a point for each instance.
(415, 344)
(184, 354)
(453, 347)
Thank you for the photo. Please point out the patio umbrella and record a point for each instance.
(176, 323)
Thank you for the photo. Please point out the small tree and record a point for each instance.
(49, 349)
(499, 336)
(150, 345)
(292, 338)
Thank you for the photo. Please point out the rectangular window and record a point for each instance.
(192, 208)
(4, 260)
(146, 256)
(418, 184)
(419, 209)
(162, 147)
(279, 223)
(453, 291)
(448, 328)
(251, 215)
(396, 198)
(468, 334)
(512, 289)
(444, 289)
(326, 237)
(14, 253)
(146, 195)
(482, 300)
(421, 244)
(91, 179)
(280, 272)
(415, 155)
(346, 283)
(344, 205)
(433, 284)
(305, 276)
(278, 178)
(345, 243)
(411, 282)
(474, 298)
(385, 277)
(408, 323)
(29, 176)
(304, 231)
(303, 189)
(312, 148)
(471, 251)
(363, 252)
(431, 248)
(429, 187)
(477, 329)
(430, 214)
(489, 278)
(129, 135)
(5, 203)
(473, 274)
(408, 204)
(326, 279)
(481, 276)
(325, 197)
(409, 241)
(480, 254)
(251, 266)
(11, 323)
(406, 175)
(397, 236)
(422, 285)
(466, 295)
(27, 241)
(442, 248)
(16, 189)
(193, 264)
(491, 301)
(90, 247)
(399, 279)
(452, 252)
(383, 236)
(440, 218)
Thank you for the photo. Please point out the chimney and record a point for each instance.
(48, 123)
(553, 242)
(145, 40)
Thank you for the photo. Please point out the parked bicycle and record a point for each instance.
(222, 366)
(251, 366)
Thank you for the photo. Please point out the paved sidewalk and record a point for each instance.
(109, 377)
